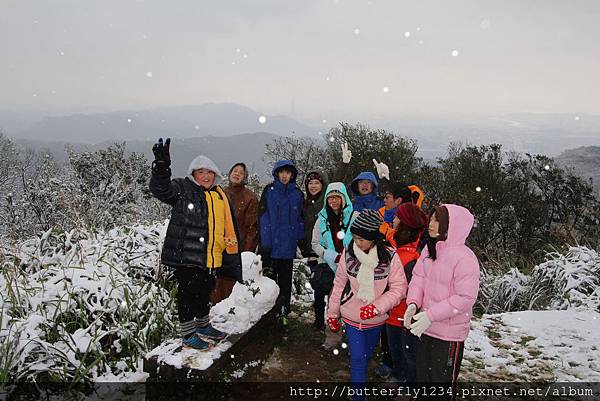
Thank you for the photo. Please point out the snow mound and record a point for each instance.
(236, 314)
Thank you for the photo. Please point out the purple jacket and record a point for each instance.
(343, 299)
(447, 288)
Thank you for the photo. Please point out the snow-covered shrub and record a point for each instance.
(568, 281)
(76, 306)
(502, 293)
(302, 292)
(564, 281)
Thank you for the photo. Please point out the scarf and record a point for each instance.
(366, 273)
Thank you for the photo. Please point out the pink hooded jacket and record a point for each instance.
(447, 288)
(343, 297)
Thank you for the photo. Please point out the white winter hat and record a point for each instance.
(204, 162)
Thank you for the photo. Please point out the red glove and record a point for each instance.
(334, 324)
(368, 312)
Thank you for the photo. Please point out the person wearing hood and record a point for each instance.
(364, 192)
(369, 281)
(443, 289)
(314, 184)
(201, 241)
(281, 227)
(330, 236)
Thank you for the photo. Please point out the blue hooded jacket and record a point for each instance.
(369, 201)
(280, 214)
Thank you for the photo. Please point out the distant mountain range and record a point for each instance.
(585, 161)
(211, 119)
(224, 151)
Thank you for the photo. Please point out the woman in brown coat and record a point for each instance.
(245, 206)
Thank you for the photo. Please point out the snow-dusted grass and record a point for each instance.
(570, 280)
(78, 307)
(561, 345)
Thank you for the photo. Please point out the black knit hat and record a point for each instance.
(367, 225)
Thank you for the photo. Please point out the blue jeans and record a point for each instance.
(362, 345)
(403, 347)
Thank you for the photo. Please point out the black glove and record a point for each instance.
(162, 158)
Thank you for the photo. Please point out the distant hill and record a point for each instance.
(225, 151)
(211, 119)
(585, 160)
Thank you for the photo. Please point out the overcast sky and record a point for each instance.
(313, 57)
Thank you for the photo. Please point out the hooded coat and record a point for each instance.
(322, 239)
(446, 288)
(280, 215)
(245, 204)
(187, 236)
(312, 207)
(369, 201)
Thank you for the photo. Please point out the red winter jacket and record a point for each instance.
(408, 256)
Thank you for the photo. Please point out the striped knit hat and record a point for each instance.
(367, 225)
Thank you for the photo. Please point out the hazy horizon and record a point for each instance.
(310, 60)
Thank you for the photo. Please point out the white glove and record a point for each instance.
(346, 154)
(422, 323)
(383, 171)
(408, 315)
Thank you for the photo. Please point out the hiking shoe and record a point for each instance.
(195, 342)
(209, 333)
(383, 371)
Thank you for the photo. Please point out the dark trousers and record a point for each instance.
(319, 307)
(194, 286)
(438, 361)
(282, 272)
(403, 349)
(386, 357)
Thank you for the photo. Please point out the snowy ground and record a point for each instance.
(534, 345)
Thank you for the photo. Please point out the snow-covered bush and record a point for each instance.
(570, 280)
(76, 306)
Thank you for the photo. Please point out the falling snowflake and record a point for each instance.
(324, 121)
(418, 28)
(454, 53)
(238, 50)
(233, 63)
(149, 74)
(61, 53)
(201, 239)
(407, 34)
(336, 352)
(576, 118)
(478, 189)
(320, 133)
(546, 167)
(190, 206)
(356, 31)
(232, 356)
(331, 139)
(129, 120)
(326, 78)
(386, 89)
(262, 119)
(341, 235)
(196, 126)
(245, 56)
(485, 24)
(344, 345)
